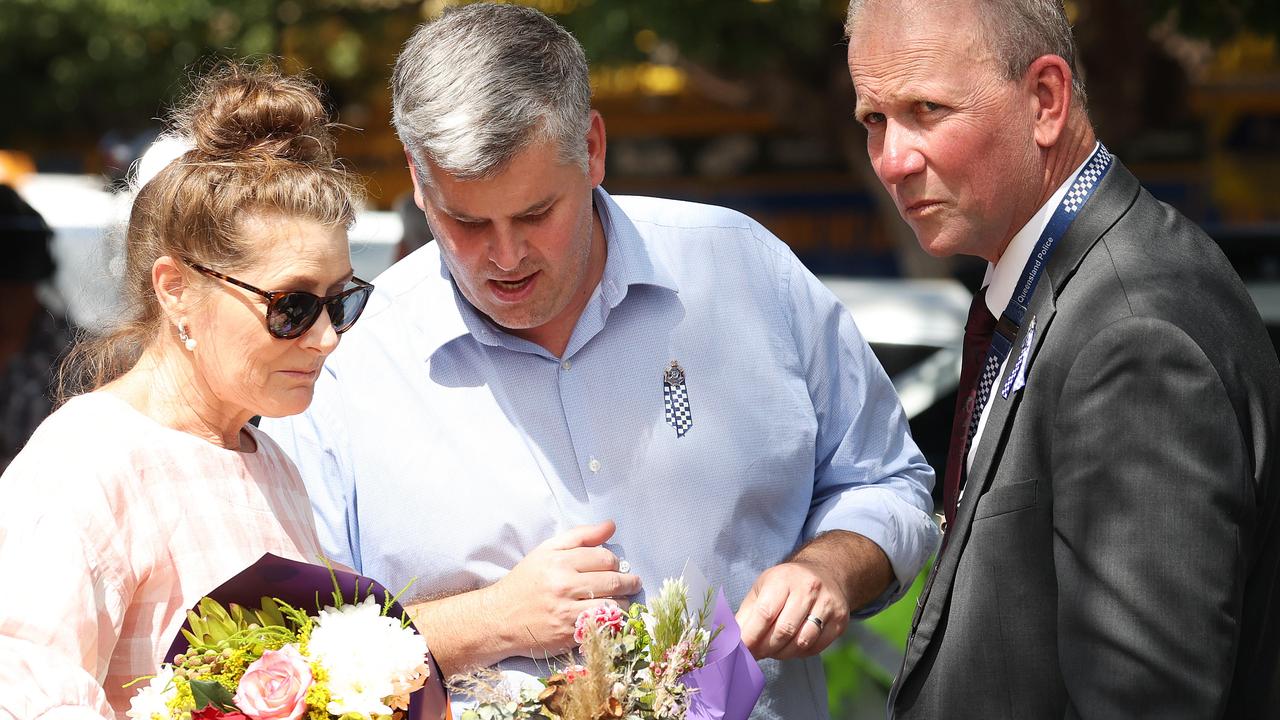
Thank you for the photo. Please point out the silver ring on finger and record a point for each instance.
(816, 621)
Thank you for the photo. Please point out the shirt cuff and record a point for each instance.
(907, 535)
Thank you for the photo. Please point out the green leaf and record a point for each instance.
(196, 624)
(206, 693)
(270, 614)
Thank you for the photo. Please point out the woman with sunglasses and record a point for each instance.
(149, 486)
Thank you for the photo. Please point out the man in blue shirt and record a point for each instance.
(567, 396)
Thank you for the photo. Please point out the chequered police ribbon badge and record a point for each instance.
(675, 398)
(1017, 377)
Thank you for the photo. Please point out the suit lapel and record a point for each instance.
(937, 593)
(1114, 196)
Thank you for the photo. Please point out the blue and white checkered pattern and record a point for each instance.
(1017, 377)
(990, 371)
(676, 400)
(1085, 181)
(1075, 198)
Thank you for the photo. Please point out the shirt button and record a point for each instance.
(624, 566)
(566, 364)
(594, 465)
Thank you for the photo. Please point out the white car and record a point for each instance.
(915, 327)
(89, 224)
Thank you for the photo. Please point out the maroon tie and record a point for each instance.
(977, 339)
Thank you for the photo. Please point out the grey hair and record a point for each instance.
(1018, 32)
(477, 86)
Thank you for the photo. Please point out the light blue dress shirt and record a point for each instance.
(440, 448)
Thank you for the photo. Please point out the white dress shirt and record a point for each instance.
(1004, 274)
(441, 448)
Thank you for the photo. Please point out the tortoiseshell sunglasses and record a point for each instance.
(290, 314)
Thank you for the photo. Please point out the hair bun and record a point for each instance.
(239, 112)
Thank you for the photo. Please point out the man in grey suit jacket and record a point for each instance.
(1112, 539)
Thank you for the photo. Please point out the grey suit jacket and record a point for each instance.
(1115, 554)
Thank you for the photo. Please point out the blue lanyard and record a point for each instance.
(1011, 319)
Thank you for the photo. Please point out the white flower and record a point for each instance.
(674, 593)
(702, 638)
(650, 627)
(152, 700)
(373, 662)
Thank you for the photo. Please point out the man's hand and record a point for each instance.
(825, 580)
(542, 596)
(775, 614)
(531, 610)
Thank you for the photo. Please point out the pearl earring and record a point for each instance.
(186, 339)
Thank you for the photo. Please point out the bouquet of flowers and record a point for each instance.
(358, 660)
(660, 662)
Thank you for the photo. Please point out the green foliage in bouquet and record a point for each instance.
(627, 667)
(323, 666)
(214, 629)
(224, 642)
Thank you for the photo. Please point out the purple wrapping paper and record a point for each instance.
(309, 587)
(728, 685)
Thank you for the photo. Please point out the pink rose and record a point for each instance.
(605, 617)
(275, 686)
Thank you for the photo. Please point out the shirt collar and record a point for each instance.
(1003, 276)
(630, 261)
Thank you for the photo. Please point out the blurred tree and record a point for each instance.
(1217, 20)
(76, 70)
(79, 66)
